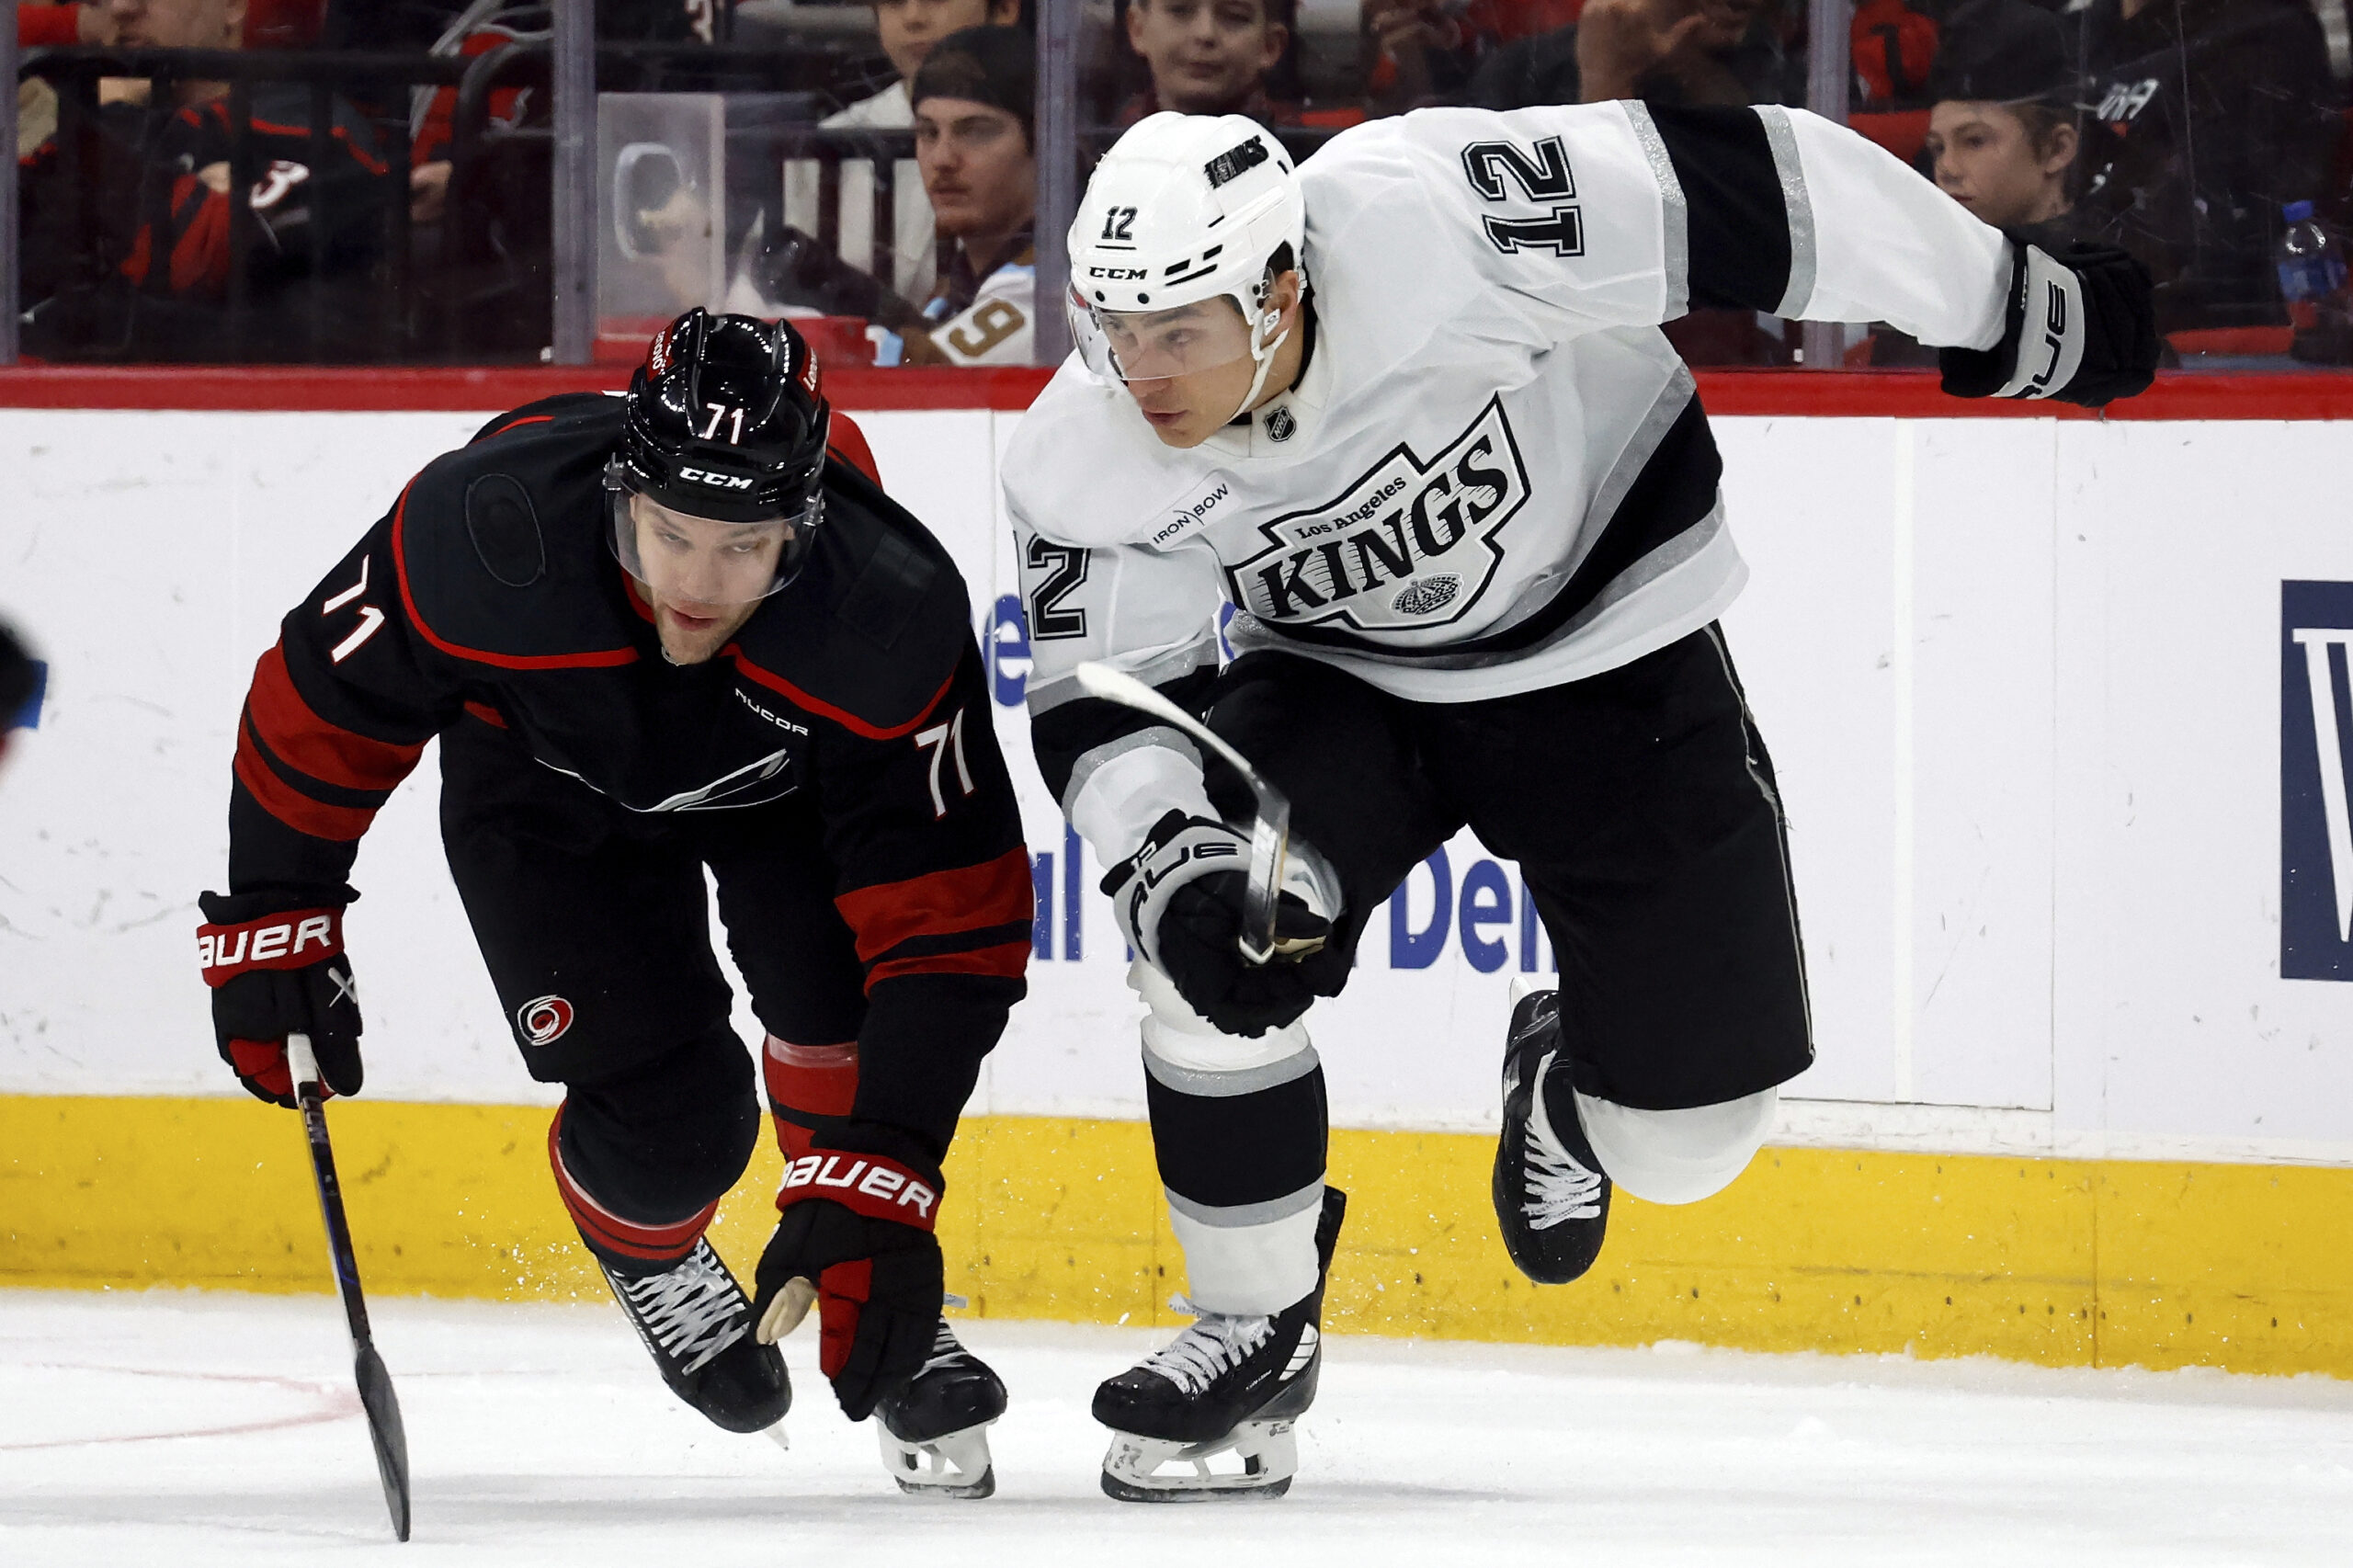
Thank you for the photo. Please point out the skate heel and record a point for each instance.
(934, 1432)
(1257, 1459)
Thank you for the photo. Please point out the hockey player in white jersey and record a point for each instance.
(1407, 407)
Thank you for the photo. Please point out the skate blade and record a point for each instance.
(1255, 1460)
(955, 1464)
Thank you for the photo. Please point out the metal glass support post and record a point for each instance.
(1057, 130)
(1829, 68)
(573, 183)
(9, 238)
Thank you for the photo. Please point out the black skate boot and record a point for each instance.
(695, 1320)
(935, 1431)
(1550, 1197)
(1215, 1407)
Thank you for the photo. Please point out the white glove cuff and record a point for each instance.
(2051, 339)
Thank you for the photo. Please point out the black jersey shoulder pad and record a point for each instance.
(868, 635)
(500, 545)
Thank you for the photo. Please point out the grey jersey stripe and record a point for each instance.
(1226, 1085)
(1783, 140)
(1675, 213)
(1156, 736)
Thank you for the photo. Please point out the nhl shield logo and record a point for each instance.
(1410, 543)
(1279, 424)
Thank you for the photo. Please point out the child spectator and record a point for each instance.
(2210, 115)
(1208, 57)
(2002, 136)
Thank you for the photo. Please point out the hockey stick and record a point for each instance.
(1270, 834)
(384, 1429)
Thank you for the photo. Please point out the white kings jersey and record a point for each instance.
(1493, 474)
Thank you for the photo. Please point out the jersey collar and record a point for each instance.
(1286, 423)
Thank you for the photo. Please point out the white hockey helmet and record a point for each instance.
(1184, 208)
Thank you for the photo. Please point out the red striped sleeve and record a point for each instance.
(968, 898)
(1009, 961)
(345, 824)
(310, 744)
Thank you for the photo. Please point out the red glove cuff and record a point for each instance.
(871, 1185)
(295, 939)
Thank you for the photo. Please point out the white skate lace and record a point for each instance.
(1215, 1344)
(1559, 1188)
(693, 1310)
(944, 1349)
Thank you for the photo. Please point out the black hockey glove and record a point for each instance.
(276, 965)
(2082, 328)
(856, 1233)
(1178, 900)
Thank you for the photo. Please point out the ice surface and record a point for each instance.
(192, 1430)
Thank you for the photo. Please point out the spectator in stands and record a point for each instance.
(2209, 115)
(1208, 57)
(907, 30)
(976, 138)
(2002, 136)
(134, 254)
(1673, 51)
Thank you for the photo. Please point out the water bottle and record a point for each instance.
(2312, 272)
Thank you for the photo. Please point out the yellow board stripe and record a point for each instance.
(2063, 1262)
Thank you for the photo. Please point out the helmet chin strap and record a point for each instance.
(1265, 356)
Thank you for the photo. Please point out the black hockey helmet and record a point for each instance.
(724, 422)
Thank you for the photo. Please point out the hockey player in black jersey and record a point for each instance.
(676, 629)
(1408, 409)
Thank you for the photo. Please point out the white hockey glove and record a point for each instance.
(1178, 900)
(2082, 328)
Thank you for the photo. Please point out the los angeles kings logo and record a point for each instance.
(1409, 543)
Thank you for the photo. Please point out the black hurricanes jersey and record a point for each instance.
(488, 594)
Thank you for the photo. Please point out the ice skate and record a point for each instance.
(1550, 1198)
(1209, 1416)
(935, 1431)
(695, 1322)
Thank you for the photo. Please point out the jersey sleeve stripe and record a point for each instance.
(310, 744)
(1798, 207)
(841, 716)
(601, 658)
(1675, 213)
(1009, 961)
(966, 898)
(1740, 208)
(344, 825)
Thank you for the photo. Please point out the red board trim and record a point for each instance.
(1900, 394)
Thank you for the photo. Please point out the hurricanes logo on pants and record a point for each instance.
(543, 1020)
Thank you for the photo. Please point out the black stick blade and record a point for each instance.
(385, 1431)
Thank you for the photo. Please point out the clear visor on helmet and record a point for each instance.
(1152, 345)
(683, 559)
